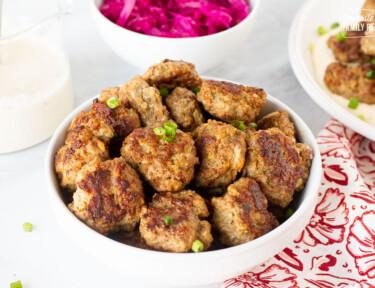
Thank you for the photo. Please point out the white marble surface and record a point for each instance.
(46, 257)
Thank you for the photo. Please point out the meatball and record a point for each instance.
(109, 196)
(170, 74)
(184, 108)
(368, 43)
(306, 154)
(278, 119)
(241, 214)
(145, 100)
(110, 92)
(351, 81)
(229, 101)
(81, 147)
(185, 209)
(168, 167)
(221, 149)
(273, 160)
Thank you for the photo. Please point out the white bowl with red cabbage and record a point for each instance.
(202, 32)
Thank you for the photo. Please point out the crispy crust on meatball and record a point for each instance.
(306, 153)
(278, 119)
(80, 148)
(145, 100)
(229, 101)
(273, 160)
(184, 108)
(170, 74)
(109, 196)
(185, 208)
(168, 167)
(221, 149)
(241, 214)
(350, 81)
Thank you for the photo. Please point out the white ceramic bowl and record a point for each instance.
(181, 269)
(140, 50)
(303, 32)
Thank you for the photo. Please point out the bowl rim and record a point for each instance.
(238, 26)
(310, 198)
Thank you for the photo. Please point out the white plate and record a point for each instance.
(313, 14)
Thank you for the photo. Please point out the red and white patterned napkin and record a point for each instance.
(337, 248)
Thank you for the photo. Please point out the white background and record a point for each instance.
(47, 258)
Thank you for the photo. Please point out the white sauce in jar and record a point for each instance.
(322, 57)
(35, 92)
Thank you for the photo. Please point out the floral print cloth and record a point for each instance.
(337, 247)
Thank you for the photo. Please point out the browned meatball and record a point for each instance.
(273, 160)
(368, 43)
(185, 209)
(229, 101)
(241, 214)
(80, 148)
(184, 108)
(306, 154)
(170, 74)
(278, 119)
(350, 81)
(221, 149)
(110, 92)
(145, 100)
(168, 167)
(109, 196)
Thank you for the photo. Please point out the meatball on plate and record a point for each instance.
(153, 175)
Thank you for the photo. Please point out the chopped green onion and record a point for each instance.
(28, 227)
(168, 220)
(171, 125)
(353, 103)
(115, 134)
(322, 30)
(163, 92)
(197, 246)
(360, 116)
(196, 90)
(113, 102)
(311, 47)
(171, 133)
(289, 213)
(341, 36)
(239, 125)
(335, 25)
(159, 131)
(16, 284)
(215, 191)
(372, 61)
(370, 74)
(254, 125)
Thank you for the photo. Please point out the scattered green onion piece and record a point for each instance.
(170, 124)
(353, 103)
(168, 220)
(170, 136)
(370, 74)
(322, 30)
(27, 227)
(289, 213)
(163, 92)
(335, 25)
(311, 47)
(360, 116)
(196, 90)
(215, 191)
(16, 284)
(254, 125)
(115, 134)
(239, 125)
(197, 246)
(372, 61)
(341, 36)
(113, 102)
(160, 131)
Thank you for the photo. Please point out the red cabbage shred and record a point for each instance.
(176, 18)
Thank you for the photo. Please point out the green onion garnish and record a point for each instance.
(113, 102)
(341, 36)
(254, 125)
(16, 284)
(163, 92)
(160, 131)
(335, 25)
(197, 246)
(360, 116)
(171, 125)
(353, 103)
(196, 90)
(370, 74)
(169, 136)
(322, 30)
(372, 61)
(289, 213)
(28, 227)
(168, 131)
(168, 220)
(239, 125)
(311, 47)
(115, 134)
(215, 191)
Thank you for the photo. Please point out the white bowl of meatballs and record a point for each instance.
(205, 177)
